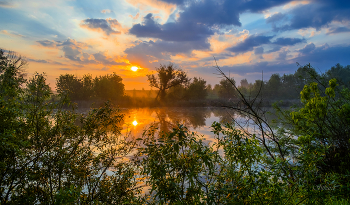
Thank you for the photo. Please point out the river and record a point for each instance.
(199, 120)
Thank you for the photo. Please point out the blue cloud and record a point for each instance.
(317, 14)
(340, 29)
(288, 41)
(172, 31)
(323, 57)
(258, 40)
(201, 19)
(249, 43)
(47, 43)
(307, 49)
(259, 50)
(105, 25)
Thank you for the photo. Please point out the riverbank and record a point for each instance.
(146, 102)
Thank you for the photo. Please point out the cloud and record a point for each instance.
(135, 17)
(106, 11)
(11, 33)
(307, 49)
(44, 61)
(76, 51)
(266, 67)
(66, 69)
(200, 19)
(18, 21)
(171, 31)
(276, 17)
(107, 26)
(340, 29)
(259, 50)
(250, 43)
(324, 56)
(288, 41)
(146, 53)
(274, 49)
(282, 55)
(178, 2)
(317, 14)
(5, 3)
(254, 41)
(47, 43)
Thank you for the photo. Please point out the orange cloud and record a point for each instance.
(295, 3)
(12, 34)
(135, 17)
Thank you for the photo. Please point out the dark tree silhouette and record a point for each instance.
(167, 76)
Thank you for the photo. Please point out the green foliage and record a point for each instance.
(107, 87)
(226, 89)
(51, 155)
(197, 89)
(181, 168)
(324, 120)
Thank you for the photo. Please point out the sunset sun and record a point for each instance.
(134, 68)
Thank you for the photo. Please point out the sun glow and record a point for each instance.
(134, 123)
(134, 68)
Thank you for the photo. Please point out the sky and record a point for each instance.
(246, 37)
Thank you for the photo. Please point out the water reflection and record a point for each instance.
(196, 119)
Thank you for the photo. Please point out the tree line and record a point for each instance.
(107, 87)
(173, 84)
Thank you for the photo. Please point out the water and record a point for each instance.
(196, 119)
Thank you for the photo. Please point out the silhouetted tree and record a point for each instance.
(168, 76)
(71, 85)
(109, 87)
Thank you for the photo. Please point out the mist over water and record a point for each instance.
(198, 120)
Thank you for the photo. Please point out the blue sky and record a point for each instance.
(245, 36)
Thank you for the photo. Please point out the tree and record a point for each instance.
(273, 86)
(168, 76)
(71, 85)
(244, 83)
(227, 90)
(197, 89)
(341, 73)
(109, 87)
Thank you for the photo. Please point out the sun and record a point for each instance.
(134, 123)
(134, 68)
